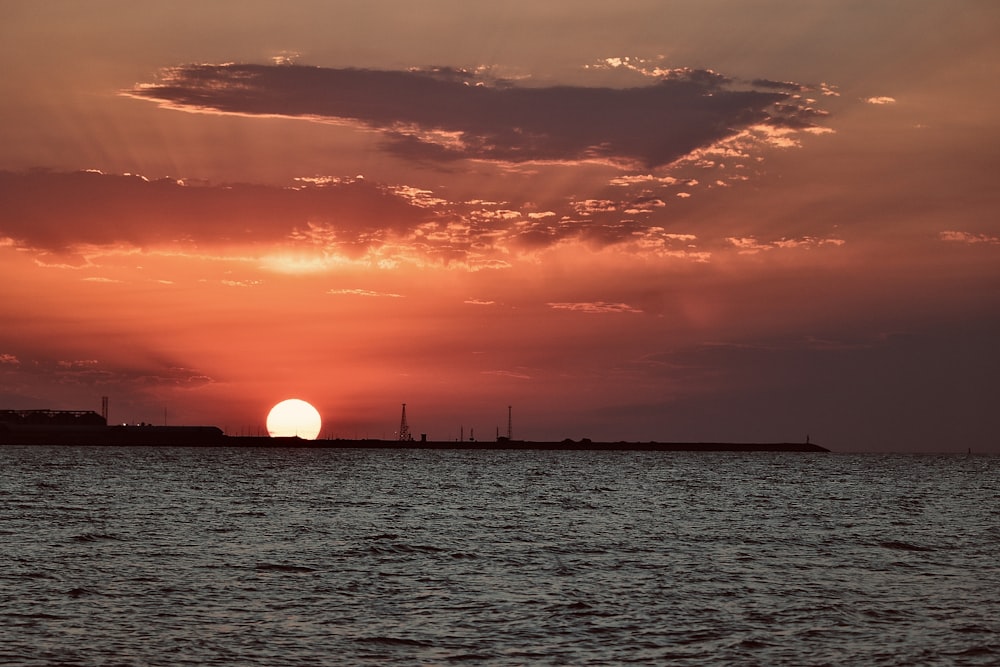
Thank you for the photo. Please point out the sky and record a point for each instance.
(724, 220)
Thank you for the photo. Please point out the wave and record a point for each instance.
(403, 548)
(94, 537)
(79, 592)
(903, 546)
(393, 641)
(280, 567)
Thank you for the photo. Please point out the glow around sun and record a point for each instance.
(294, 417)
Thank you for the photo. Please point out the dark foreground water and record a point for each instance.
(142, 556)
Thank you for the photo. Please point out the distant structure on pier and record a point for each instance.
(404, 428)
(510, 429)
(52, 418)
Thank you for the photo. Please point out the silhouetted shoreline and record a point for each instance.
(78, 427)
(210, 436)
(563, 445)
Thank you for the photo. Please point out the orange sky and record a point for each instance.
(657, 221)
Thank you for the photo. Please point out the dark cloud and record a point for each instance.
(790, 86)
(57, 211)
(446, 113)
(66, 214)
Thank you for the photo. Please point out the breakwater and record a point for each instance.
(211, 436)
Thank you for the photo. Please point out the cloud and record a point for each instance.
(592, 206)
(9, 359)
(508, 374)
(78, 363)
(241, 283)
(881, 100)
(133, 377)
(595, 307)
(59, 212)
(643, 179)
(790, 86)
(749, 245)
(954, 236)
(645, 205)
(101, 222)
(679, 122)
(448, 114)
(363, 292)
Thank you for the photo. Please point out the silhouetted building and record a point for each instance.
(52, 418)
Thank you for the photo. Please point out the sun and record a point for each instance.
(294, 418)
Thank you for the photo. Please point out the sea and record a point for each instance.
(234, 556)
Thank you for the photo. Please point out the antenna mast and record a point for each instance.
(404, 430)
(508, 422)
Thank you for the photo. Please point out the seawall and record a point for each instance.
(210, 436)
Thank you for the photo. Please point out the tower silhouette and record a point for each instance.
(404, 430)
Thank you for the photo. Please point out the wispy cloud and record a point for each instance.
(133, 378)
(880, 100)
(508, 374)
(749, 245)
(955, 236)
(363, 292)
(78, 363)
(241, 283)
(594, 307)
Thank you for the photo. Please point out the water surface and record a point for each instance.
(172, 556)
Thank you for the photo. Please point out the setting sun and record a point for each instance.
(294, 418)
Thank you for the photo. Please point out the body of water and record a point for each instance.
(174, 556)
